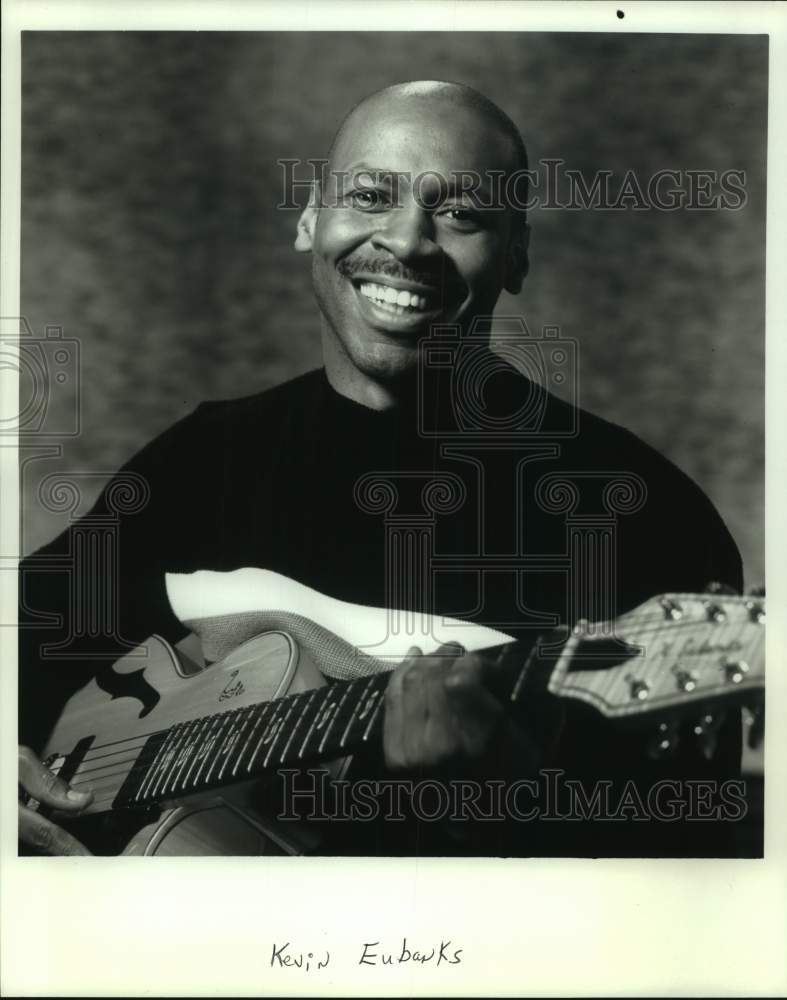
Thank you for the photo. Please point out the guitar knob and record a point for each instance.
(736, 670)
(664, 742)
(755, 718)
(639, 690)
(705, 729)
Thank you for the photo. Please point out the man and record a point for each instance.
(398, 247)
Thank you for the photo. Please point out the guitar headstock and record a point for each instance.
(675, 655)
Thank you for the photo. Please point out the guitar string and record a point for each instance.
(633, 635)
(106, 799)
(125, 767)
(92, 754)
(125, 770)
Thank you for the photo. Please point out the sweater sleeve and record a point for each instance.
(97, 590)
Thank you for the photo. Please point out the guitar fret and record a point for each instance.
(256, 715)
(170, 766)
(182, 757)
(376, 713)
(164, 759)
(307, 701)
(365, 702)
(199, 733)
(322, 718)
(221, 736)
(238, 723)
(278, 709)
(245, 717)
(203, 748)
(524, 674)
(137, 775)
(334, 718)
(204, 755)
(188, 756)
(142, 769)
(274, 739)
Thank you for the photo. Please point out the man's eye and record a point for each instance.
(466, 218)
(369, 200)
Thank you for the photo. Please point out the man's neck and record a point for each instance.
(361, 389)
(374, 393)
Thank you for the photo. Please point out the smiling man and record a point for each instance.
(396, 247)
(362, 481)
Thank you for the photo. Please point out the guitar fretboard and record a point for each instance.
(233, 746)
(676, 655)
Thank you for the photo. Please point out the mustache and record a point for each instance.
(440, 277)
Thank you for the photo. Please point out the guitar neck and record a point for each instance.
(675, 654)
(228, 747)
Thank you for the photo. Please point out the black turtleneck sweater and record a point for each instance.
(276, 481)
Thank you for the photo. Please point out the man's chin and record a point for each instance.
(387, 362)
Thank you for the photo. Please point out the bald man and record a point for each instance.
(399, 245)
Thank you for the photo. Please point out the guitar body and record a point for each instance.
(156, 686)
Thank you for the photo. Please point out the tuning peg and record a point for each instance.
(715, 612)
(754, 605)
(672, 610)
(664, 741)
(706, 730)
(756, 611)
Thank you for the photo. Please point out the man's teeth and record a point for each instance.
(394, 299)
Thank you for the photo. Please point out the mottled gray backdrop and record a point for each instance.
(150, 232)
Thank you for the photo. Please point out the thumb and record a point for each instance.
(46, 787)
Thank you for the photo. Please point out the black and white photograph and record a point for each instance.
(390, 445)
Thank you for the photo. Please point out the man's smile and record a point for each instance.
(390, 295)
(396, 305)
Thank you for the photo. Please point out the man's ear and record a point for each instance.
(518, 262)
(304, 234)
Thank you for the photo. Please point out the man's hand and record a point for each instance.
(35, 830)
(440, 713)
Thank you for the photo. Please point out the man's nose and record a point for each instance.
(408, 233)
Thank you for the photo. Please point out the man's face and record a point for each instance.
(396, 250)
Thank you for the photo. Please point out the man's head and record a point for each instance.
(398, 231)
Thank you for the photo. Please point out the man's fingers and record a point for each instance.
(395, 722)
(476, 712)
(439, 709)
(45, 786)
(38, 832)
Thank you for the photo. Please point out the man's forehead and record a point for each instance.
(402, 134)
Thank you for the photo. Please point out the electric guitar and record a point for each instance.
(193, 742)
